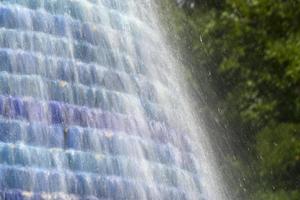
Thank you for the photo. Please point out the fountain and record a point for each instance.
(90, 106)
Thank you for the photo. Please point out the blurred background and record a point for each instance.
(243, 64)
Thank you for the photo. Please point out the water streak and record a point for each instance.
(89, 106)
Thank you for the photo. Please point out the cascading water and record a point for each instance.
(89, 105)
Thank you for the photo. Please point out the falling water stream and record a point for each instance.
(91, 106)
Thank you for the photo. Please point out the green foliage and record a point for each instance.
(248, 53)
(279, 152)
(261, 58)
(279, 195)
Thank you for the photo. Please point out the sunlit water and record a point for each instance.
(90, 106)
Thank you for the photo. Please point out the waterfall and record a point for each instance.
(91, 107)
